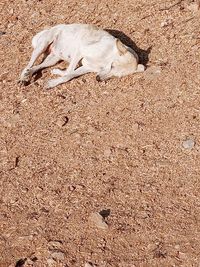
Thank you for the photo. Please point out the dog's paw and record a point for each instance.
(51, 84)
(57, 72)
(23, 83)
(25, 76)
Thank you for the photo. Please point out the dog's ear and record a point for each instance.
(121, 48)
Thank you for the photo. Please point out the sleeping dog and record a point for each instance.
(86, 48)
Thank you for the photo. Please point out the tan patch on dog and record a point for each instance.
(121, 48)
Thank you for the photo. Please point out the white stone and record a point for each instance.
(55, 245)
(98, 221)
(58, 255)
(88, 264)
(51, 262)
(188, 143)
(194, 7)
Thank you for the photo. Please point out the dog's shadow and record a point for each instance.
(142, 54)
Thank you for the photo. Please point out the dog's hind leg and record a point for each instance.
(49, 61)
(78, 72)
(40, 47)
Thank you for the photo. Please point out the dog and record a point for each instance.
(86, 48)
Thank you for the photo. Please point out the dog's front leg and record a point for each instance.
(78, 72)
(104, 74)
(72, 66)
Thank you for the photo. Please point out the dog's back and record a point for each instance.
(85, 32)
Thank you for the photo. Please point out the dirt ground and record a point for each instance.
(128, 148)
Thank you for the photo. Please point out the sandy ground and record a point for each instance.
(128, 148)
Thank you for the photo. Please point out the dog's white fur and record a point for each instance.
(86, 48)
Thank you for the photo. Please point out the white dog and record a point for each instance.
(86, 48)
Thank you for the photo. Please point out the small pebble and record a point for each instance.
(51, 262)
(165, 23)
(188, 144)
(98, 221)
(153, 72)
(88, 264)
(29, 262)
(177, 247)
(55, 245)
(194, 7)
(182, 256)
(107, 153)
(58, 255)
(62, 121)
(11, 11)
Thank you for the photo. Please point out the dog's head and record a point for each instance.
(124, 63)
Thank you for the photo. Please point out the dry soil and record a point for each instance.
(128, 148)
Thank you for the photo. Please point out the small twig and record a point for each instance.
(169, 7)
(17, 161)
(145, 17)
(185, 21)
